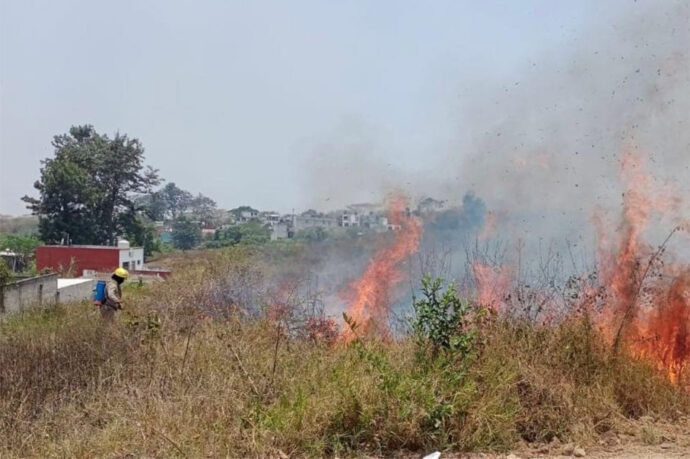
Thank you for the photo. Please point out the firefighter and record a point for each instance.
(113, 294)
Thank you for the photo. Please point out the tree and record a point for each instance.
(203, 208)
(143, 234)
(245, 233)
(152, 205)
(86, 190)
(171, 202)
(175, 200)
(23, 246)
(254, 233)
(186, 234)
(312, 234)
(449, 225)
(5, 277)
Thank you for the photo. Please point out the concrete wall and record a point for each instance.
(279, 231)
(303, 222)
(76, 291)
(25, 293)
(133, 256)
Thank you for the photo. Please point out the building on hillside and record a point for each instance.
(349, 219)
(430, 205)
(163, 231)
(313, 219)
(166, 237)
(208, 232)
(270, 217)
(375, 222)
(76, 259)
(245, 216)
(160, 226)
(366, 208)
(279, 231)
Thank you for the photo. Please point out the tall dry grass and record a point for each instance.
(188, 371)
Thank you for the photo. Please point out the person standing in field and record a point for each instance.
(113, 294)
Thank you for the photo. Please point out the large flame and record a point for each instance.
(647, 308)
(370, 296)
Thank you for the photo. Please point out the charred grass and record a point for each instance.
(185, 372)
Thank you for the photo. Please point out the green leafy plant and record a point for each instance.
(5, 273)
(186, 233)
(441, 318)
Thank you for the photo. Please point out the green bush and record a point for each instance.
(441, 318)
(5, 274)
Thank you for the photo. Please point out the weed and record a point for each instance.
(203, 376)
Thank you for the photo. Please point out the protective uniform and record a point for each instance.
(113, 295)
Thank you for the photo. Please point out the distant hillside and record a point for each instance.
(24, 224)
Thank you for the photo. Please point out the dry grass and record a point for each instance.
(167, 380)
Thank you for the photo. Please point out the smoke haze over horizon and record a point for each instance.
(318, 105)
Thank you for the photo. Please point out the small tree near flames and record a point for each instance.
(441, 318)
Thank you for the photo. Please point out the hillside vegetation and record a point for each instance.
(189, 370)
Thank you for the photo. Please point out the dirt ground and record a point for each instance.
(621, 452)
(645, 438)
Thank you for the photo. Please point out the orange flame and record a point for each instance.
(620, 266)
(492, 284)
(651, 313)
(371, 293)
(667, 330)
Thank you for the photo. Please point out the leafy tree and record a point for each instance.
(203, 208)
(312, 234)
(450, 224)
(245, 233)
(186, 234)
(152, 205)
(143, 234)
(24, 246)
(86, 190)
(171, 202)
(227, 237)
(175, 200)
(254, 233)
(5, 276)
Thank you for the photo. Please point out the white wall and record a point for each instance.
(75, 289)
(134, 256)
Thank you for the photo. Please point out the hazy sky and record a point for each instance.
(243, 101)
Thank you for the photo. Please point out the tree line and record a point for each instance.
(96, 188)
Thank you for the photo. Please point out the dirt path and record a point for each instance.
(622, 452)
(644, 438)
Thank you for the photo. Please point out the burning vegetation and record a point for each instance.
(638, 296)
(370, 297)
(507, 341)
(646, 302)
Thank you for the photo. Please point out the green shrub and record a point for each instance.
(441, 318)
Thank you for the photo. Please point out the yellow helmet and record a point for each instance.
(121, 273)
